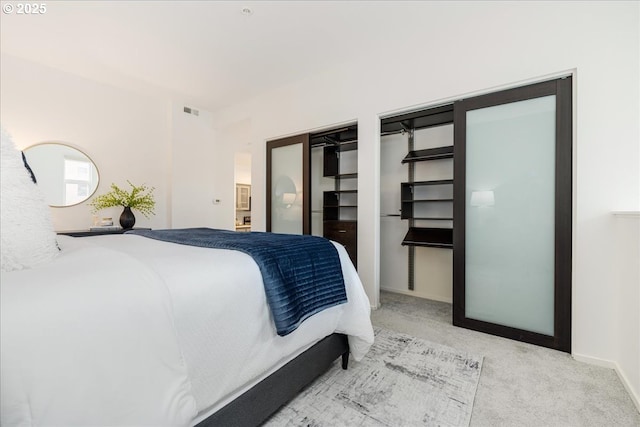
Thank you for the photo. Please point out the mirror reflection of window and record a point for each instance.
(65, 174)
(77, 180)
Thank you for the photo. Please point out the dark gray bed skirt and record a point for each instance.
(256, 405)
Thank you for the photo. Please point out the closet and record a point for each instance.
(480, 206)
(312, 185)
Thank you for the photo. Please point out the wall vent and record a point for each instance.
(190, 110)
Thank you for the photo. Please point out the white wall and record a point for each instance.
(243, 167)
(196, 162)
(627, 236)
(130, 136)
(126, 134)
(479, 48)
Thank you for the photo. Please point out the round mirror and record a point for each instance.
(65, 174)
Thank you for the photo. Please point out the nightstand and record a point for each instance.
(86, 233)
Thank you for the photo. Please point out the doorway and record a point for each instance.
(242, 181)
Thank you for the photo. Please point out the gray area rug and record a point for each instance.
(402, 381)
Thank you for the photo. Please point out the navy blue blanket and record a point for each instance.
(302, 275)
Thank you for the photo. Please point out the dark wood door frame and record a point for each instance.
(563, 212)
(306, 177)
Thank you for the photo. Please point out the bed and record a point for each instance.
(127, 330)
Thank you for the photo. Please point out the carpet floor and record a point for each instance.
(521, 385)
(402, 381)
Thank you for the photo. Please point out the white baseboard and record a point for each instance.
(612, 365)
(418, 294)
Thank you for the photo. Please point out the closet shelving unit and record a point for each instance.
(340, 205)
(426, 236)
(333, 204)
(419, 198)
(408, 201)
(418, 193)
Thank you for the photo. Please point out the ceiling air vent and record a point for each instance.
(190, 110)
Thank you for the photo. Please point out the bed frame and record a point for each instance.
(256, 405)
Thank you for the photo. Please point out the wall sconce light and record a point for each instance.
(482, 198)
(288, 199)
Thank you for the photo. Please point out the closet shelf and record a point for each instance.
(429, 237)
(430, 182)
(430, 218)
(342, 175)
(408, 191)
(425, 200)
(418, 120)
(340, 198)
(445, 152)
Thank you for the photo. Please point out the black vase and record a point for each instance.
(127, 219)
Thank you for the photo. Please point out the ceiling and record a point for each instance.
(208, 53)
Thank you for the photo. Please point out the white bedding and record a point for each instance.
(125, 330)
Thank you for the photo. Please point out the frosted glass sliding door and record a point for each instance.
(510, 204)
(287, 185)
(513, 207)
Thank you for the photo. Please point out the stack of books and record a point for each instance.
(105, 228)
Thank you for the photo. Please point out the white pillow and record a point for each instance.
(26, 228)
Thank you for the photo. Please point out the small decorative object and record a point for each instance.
(139, 198)
(106, 221)
(127, 218)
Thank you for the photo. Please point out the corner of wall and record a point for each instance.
(633, 394)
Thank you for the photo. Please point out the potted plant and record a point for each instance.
(140, 198)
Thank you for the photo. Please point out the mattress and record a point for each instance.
(124, 330)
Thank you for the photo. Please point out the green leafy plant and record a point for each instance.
(140, 198)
